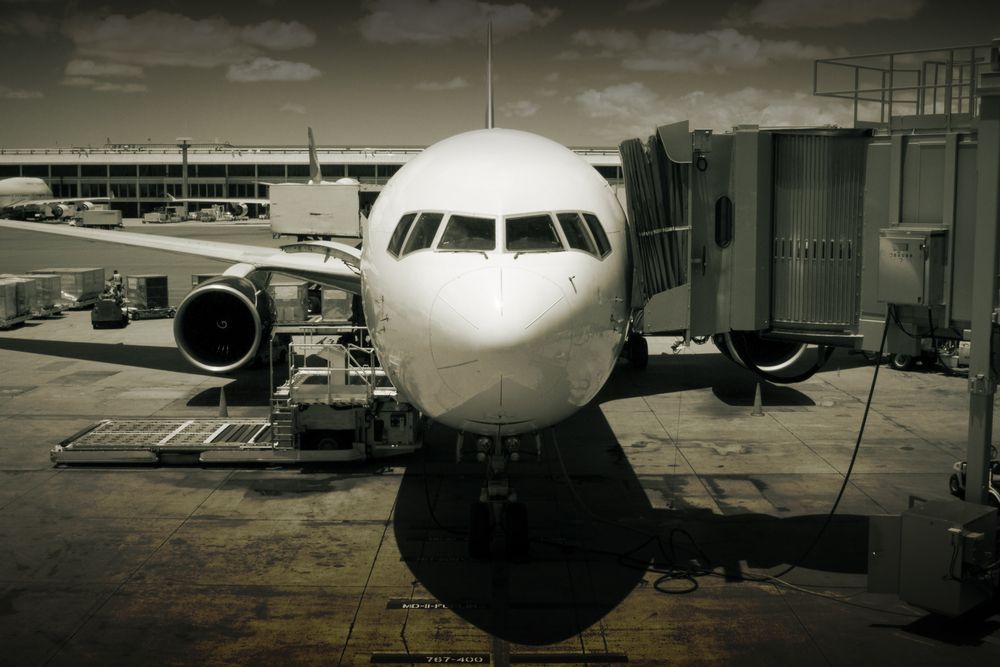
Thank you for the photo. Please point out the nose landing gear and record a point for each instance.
(498, 506)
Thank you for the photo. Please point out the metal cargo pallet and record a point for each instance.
(14, 321)
(214, 440)
(82, 304)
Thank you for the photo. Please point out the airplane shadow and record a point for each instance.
(729, 382)
(249, 386)
(592, 538)
(137, 356)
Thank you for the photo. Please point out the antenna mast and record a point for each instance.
(489, 76)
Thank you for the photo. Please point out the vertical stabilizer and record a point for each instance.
(315, 175)
(489, 76)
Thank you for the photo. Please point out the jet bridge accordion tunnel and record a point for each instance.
(777, 241)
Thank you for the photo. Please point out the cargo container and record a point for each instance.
(147, 291)
(8, 301)
(316, 211)
(48, 288)
(26, 294)
(291, 300)
(77, 284)
(103, 219)
(336, 305)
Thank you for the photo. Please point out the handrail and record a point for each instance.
(939, 82)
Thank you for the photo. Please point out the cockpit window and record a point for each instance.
(576, 232)
(464, 232)
(532, 232)
(396, 241)
(603, 245)
(423, 232)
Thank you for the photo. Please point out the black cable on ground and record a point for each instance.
(854, 458)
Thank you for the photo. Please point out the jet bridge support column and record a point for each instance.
(982, 378)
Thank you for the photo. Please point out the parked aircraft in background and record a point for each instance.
(20, 195)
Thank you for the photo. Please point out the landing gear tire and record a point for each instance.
(993, 498)
(638, 352)
(902, 362)
(515, 526)
(954, 487)
(480, 530)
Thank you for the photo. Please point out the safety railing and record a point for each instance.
(938, 83)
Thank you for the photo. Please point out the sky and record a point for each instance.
(411, 72)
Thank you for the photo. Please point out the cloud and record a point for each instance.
(78, 81)
(102, 86)
(435, 86)
(635, 110)
(88, 68)
(520, 108)
(712, 51)
(19, 94)
(268, 69)
(643, 5)
(292, 107)
(111, 87)
(279, 36)
(26, 23)
(611, 40)
(830, 13)
(440, 21)
(157, 38)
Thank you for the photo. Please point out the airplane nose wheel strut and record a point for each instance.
(498, 506)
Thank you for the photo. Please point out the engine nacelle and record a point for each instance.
(63, 211)
(86, 205)
(221, 325)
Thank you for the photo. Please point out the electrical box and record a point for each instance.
(911, 265)
(945, 547)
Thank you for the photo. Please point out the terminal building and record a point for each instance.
(139, 177)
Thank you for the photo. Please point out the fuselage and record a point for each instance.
(493, 301)
(22, 188)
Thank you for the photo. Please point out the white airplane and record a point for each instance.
(494, 276)
(21, 192)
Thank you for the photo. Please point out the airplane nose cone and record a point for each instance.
(500, 337)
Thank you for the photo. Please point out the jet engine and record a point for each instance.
(86, 205)
(240, 210)
(63, 210)
(221, 325)
(775, 360)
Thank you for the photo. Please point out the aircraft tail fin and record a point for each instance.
(489, 76)
(315, 175)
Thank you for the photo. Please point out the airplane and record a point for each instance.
(20, 193)
(242, 204)
(494, 279)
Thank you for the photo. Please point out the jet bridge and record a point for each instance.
(771, 239)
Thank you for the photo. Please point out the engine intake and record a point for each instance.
(220, 325)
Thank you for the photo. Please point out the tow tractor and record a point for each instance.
(956, 483)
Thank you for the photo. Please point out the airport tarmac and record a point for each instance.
(366, 563)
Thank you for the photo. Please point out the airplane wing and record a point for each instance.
(221, 200)
(327, 263)
(61, 200)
